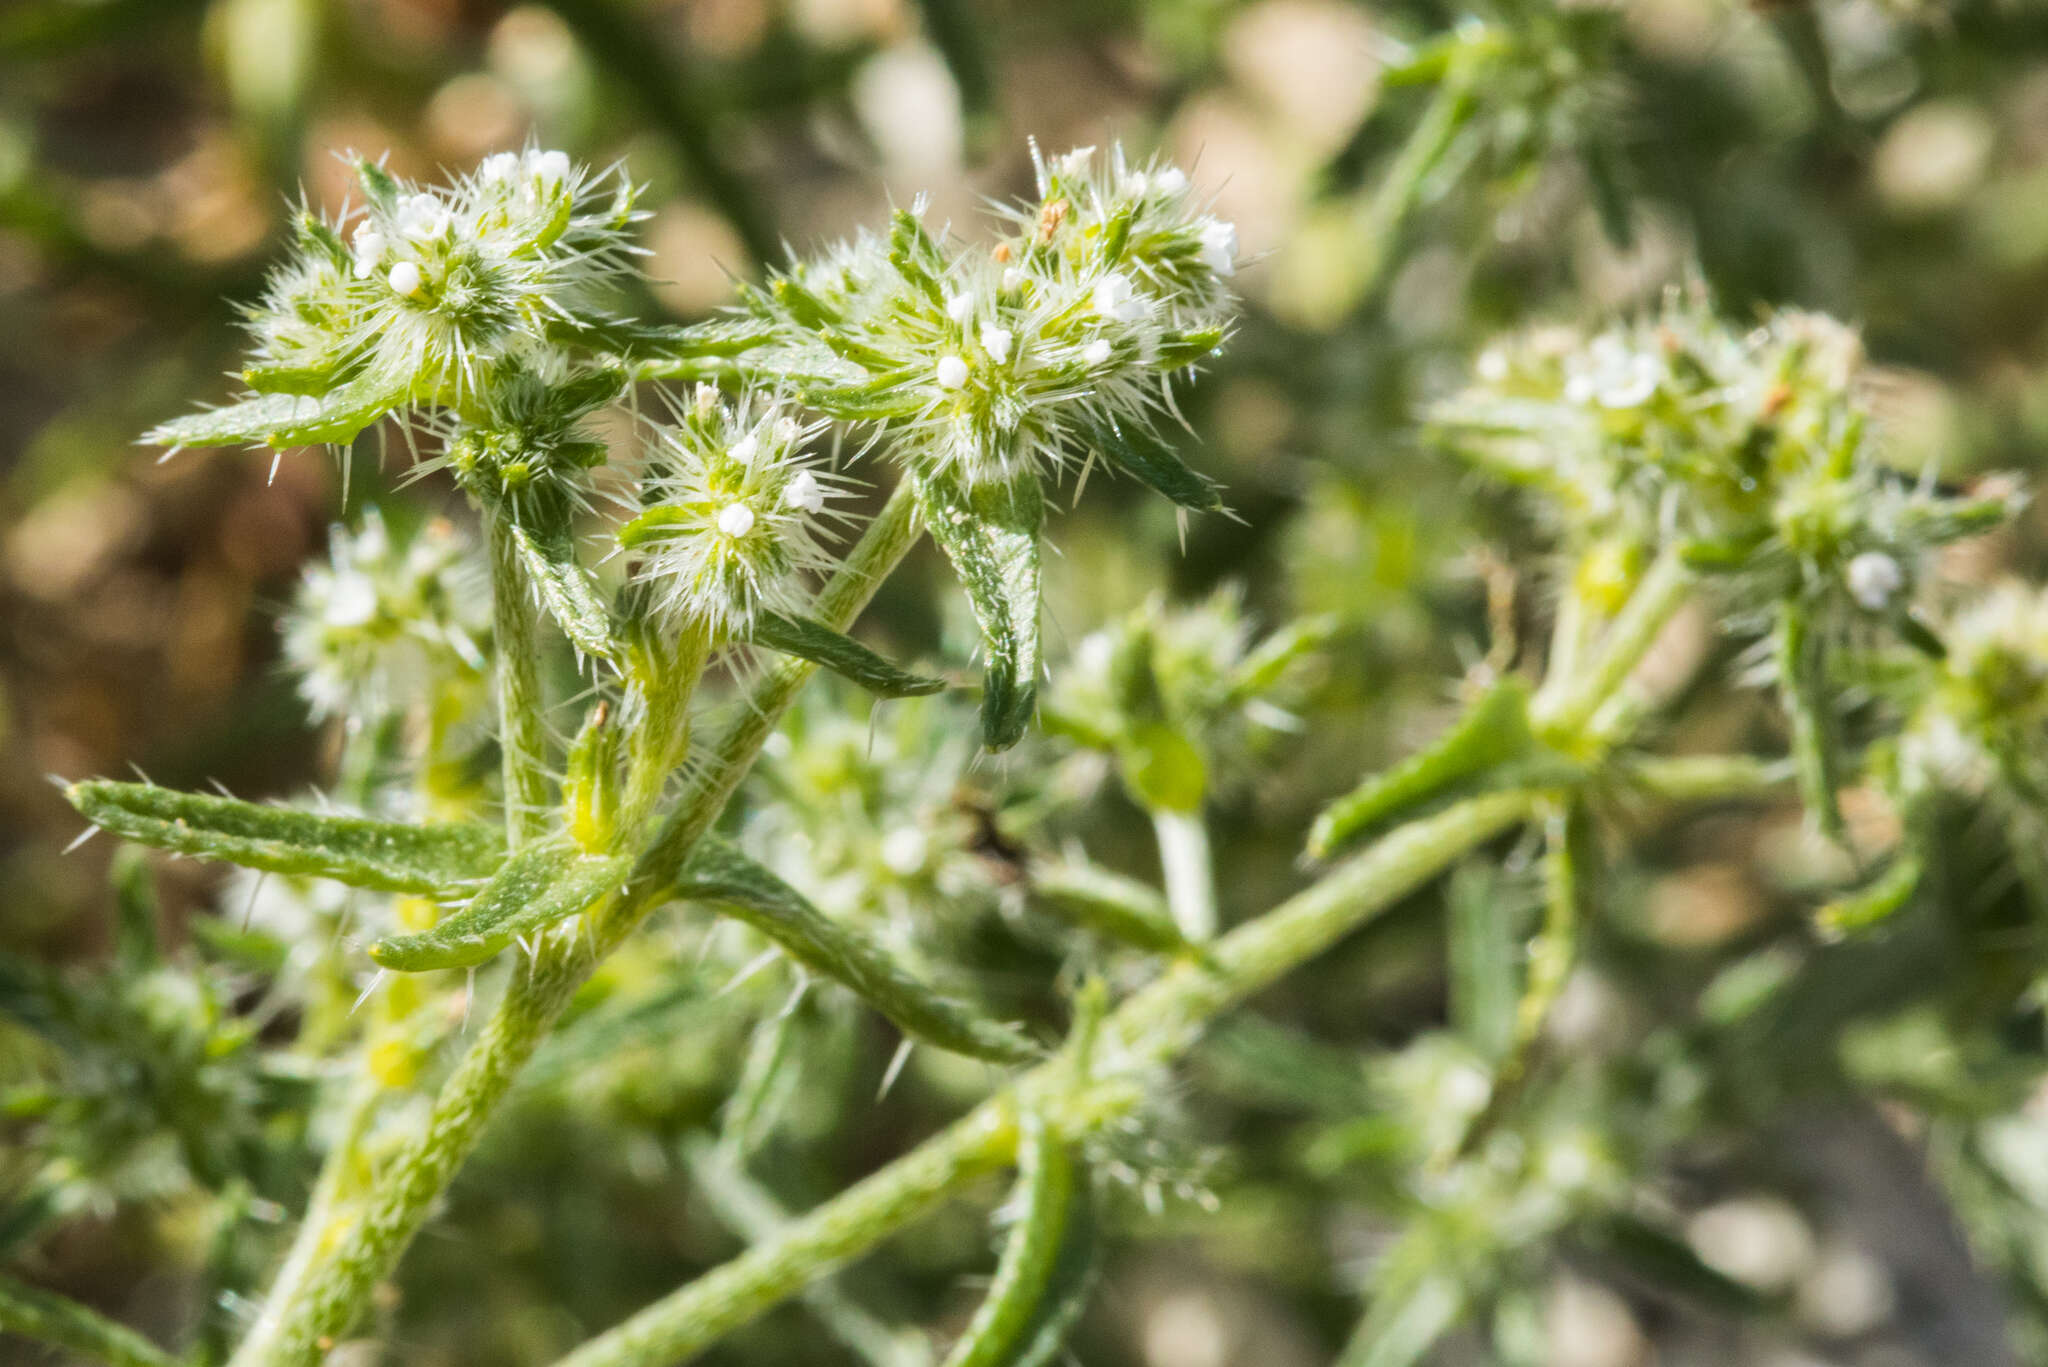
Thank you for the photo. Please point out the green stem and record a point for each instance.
(1399, 193)
(64, 1323)
(1566, 703)
(522, 726)
(306, 1315)
(1190, 871)
(1152, 1027)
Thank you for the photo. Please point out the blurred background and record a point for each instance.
(1884, 160)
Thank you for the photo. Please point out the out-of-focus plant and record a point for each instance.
(523, 785)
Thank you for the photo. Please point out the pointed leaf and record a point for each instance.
(990, 533)
(1494, 731)
(1047, 1265)
(387, 856)
(567, 590)
(537, 887)
(844, 656)
(1096, 899)
(285, 419)
(719, 873)
(1136, 449)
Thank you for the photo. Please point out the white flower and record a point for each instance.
(745, 449)
(1096, 352)
(405, 278)
(1873, 578)
(904, 850)
(736, 520)
(423, 216)
(368, 246)
(959, 307)
(804, 493)
(1219, 247)
(1075, 164)
(1114, 298)
(1615, 375)
(499, 166)
(952, 372)
(1013, 280)
(997, 342)
(550, 166)
(351, 599)
(1169, 181)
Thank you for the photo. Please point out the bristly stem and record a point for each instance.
(1152, 1027)
(522, 721)
(1566, 703)
(303, 1319)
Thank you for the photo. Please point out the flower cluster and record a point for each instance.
(385, 621)
(426, 296)
(1982, 718)
(734, 510)
(1753, 447)
(1059, 342)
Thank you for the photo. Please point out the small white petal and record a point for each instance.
(499, 166)
(997, 342)
(1219, 247)
(1096, 352)
(735, 519)
(549, 166)
(1873, 578)
(745, 449)
(368, 246)
(405, 278)
(1013, 280)
(1076, 163)
(959, 307)
(1170, 180)
(904, 850)
(1114, 298)
(952, 372)
(804, 493)
(351, 602)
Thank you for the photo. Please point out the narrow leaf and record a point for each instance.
(1047, 1262)
(990, 533)
(844, 656)
(1492, 732)
(1802, 688)
(55, 1320)
(548, 554)
(537, 887)
(1876, 902)
(387, 856)
(285, 419)
(1109, 903)
(1136, 449)
(719, 873)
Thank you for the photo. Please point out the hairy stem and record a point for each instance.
(304, 1317)
(522, 724)
(1152, 1027)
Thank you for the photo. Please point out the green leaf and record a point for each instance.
(719, 873)
(537, 887)
(1405, 1322)
(1803, 690)
(1162, 768)
(990, 533)
(387, 856)
(1048, 1261)
(1137, 450)
(64, 1323)
(285, 419)
(1493, 731)
(844, 656)
(1096, 899)
(1874, 903)
(547, 552)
